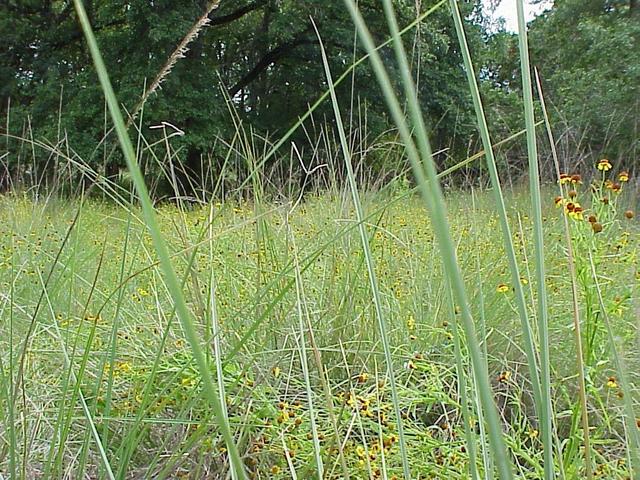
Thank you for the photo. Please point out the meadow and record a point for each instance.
(345, 329)
(284, 313)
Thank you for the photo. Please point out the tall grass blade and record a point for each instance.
(171, 279)
(76, 379)
(542, 399)
(215, 327)
(304, 362)
(426, 177)
(373, 280)
(574, 298)
(536, 204)
(488, 464)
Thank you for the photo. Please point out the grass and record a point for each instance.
(356, 333)
(143, 389)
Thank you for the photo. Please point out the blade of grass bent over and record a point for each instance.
(426, 176)
(210, 390)
(339, 80)
(373, 280)
(542, 402)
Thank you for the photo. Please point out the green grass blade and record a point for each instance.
(488, 465)
(210, 390)
(469, 433)
(77, 379)
(574, 296)
(426, 176)
(373, 280)
(302, 344)
(538, 232)
(536, 202)
(303, 315)
(542, 400)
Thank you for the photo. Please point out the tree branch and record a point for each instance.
(271, 57)
(224, 19)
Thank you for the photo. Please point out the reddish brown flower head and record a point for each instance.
(629, 214)
(616, 187)
(596, 227)
(572, 194)
(605, 200)
(576, 179)
(570, 206)
(592, 219)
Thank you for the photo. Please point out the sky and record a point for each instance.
(507, 10)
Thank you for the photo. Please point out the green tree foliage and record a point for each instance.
(587, 55)
(262, 55)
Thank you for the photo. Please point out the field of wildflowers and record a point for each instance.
(91, 347)
(355, 334)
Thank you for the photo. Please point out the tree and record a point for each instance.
(261, 55)
(587, 55)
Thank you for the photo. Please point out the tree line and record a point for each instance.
(254, 68)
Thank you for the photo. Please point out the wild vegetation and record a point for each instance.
(260, 59)
(236, 282)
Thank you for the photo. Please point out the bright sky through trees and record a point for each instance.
(507, 10)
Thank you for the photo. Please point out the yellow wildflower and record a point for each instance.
(604, 165)
(577, 213)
